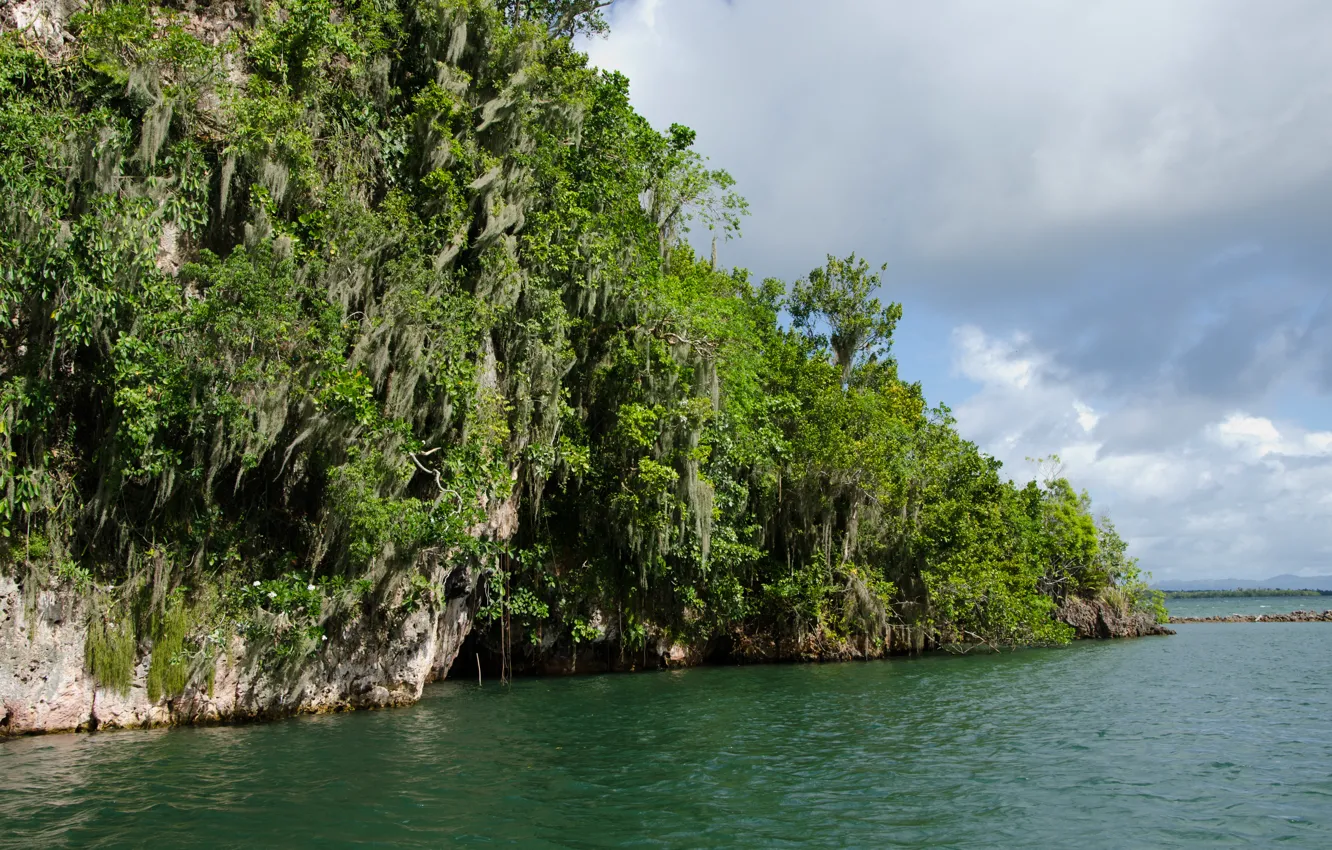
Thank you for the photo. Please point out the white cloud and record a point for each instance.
(988, 360)
(1254, 433)
(966, 130)
(1236, 495)
(1259, 437)
(1118, 207)
(1087, 417)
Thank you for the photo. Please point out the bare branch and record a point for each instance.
(436, 475)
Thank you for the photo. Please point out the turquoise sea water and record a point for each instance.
(1219, 736)
(1247, 605)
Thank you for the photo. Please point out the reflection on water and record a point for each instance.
(1218, 735)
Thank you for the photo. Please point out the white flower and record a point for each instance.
(272, 595)
(256, 584)
(325, 637)
(309, 587)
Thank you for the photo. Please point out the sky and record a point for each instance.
(1109, 225)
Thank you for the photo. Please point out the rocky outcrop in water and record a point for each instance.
(1094, 618)
(381, 657)
(660, 651)
(373, 662)
(341, 282)
(1292, 617)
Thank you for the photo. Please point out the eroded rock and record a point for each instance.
(1292, 617)
(374, 661)
(1094, 618)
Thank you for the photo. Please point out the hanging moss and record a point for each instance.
(310, 291)
(111, 651)
(169, 667)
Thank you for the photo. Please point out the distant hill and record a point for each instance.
(1285, 582)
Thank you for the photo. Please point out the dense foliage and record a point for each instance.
(291, 302)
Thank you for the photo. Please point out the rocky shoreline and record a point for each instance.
(98, 632)
(44, 686)
(1094, 619)
(1292, 617)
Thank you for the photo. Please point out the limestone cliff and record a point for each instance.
(372, 662)
(1094, 618)
(301, 300)
(383, 656)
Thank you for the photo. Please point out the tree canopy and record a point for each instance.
(290, 303)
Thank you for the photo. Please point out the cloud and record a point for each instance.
(1119, 207)
(1258, 437)
(988, 361)
(963, 133)
(1230, 493)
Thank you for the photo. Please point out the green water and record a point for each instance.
(1220, 736)
(1247, 605)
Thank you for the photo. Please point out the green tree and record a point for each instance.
(562, 18)
(835, 307)
(283, 318)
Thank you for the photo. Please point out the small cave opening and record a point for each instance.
(475, 659)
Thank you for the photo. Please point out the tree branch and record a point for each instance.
(435, 474)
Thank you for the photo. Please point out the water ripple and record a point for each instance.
(1219, 736)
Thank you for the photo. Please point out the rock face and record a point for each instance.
(43, 20)
(605, 653)
(374, 661)
(381, 657)
(1093, 618)
(1292, 617)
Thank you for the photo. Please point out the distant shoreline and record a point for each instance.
(1292, 617)
(1239, 592)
